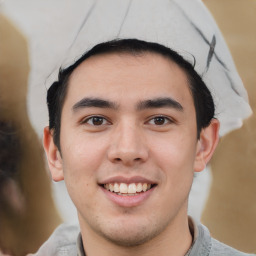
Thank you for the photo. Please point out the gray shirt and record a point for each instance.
(66, 241)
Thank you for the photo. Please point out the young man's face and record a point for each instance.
(128, 123)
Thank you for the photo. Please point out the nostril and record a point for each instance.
(125, 160)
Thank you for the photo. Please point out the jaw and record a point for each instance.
(132, 231)
(131, 221)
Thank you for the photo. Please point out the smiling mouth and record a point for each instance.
(131, 189)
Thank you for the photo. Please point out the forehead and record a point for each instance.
(118, 76)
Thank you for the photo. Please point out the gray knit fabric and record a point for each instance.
(66, 241)
(62, 242)
(205, 245)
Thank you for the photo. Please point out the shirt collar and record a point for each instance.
(80, 247)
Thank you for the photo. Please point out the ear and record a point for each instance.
(206, 145)
(53, 156)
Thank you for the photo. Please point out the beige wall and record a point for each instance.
(231, 209)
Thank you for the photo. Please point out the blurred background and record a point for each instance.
(230, 212)
(33, 36)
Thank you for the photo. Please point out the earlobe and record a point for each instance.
(206, 145)
(53, 156)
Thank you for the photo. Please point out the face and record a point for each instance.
(129, 146)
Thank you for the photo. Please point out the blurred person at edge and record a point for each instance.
(22, 185)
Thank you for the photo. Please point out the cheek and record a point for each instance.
(82, 158)
(174, 155)
(175, 158)
(83, 150)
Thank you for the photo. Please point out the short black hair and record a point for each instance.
(203, 101)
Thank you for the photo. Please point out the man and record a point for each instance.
(130, 123)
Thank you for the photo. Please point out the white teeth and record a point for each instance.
(123, 188)
(132, 188)
(144, 187)
(139, 187)
(111, 187)
(116, 188)
(127, 189)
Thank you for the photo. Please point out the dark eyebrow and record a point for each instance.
(93, 102)
(160, 103)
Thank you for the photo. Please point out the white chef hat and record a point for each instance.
(185, 26)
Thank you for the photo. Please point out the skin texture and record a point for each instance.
(231, 208)
(27, 212)
(129, 143)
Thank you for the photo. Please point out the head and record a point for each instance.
(202, 98)
(133, 129)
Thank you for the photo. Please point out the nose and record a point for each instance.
(128, 146)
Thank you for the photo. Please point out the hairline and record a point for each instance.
(163, 51)
(120, 53)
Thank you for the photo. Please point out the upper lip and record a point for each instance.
(127, 180)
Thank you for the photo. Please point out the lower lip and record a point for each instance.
(128, 201)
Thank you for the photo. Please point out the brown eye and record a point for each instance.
(96, 121)
(159, 120)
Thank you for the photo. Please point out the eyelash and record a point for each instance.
(167, 120)
(104, 121)
(87, 120)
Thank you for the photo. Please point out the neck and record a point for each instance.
(176, 239)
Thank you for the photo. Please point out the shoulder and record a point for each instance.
(62, 242)
(212, 247)
(205, 245)
(220, 249)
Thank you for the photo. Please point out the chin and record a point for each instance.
(130, 234)
(131, 239)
